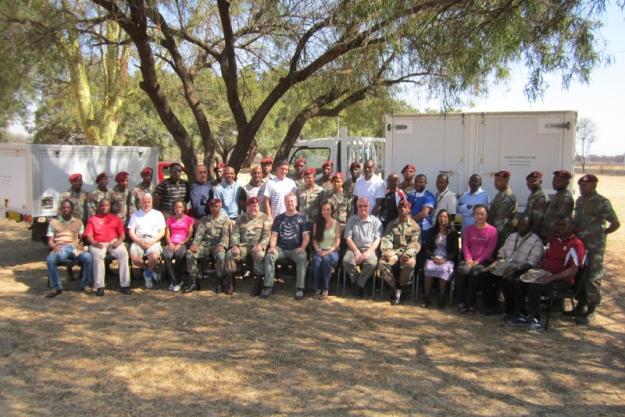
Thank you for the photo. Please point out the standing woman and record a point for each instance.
(326, 241)
(441, 250)
(178, 233)
(478, 247)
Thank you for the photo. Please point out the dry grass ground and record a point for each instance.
(160, 354)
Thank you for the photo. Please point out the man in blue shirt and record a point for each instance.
(231, 194)
(200, 192)
(476, 195)
(422, 202)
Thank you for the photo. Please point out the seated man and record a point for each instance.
(146, 228)
(105, 234)
(362, 235)
(248, 240)
(64, 234)
(401, 242)
(211, 239)
(290, 234)
(564, 255)
(521, 251)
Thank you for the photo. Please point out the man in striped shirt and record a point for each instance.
(170, 190)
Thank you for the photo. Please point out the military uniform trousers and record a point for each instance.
(257, 257)
(203, 253)
(99, 270)
(405, 269)
(590, 293)
(301, 263)
(366, 268)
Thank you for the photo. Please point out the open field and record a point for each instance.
(160, 354)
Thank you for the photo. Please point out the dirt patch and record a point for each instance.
(160, 354)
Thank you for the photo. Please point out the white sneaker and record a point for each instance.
(147, 276)
(177, 288)
(171, 287)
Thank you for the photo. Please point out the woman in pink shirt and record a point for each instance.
(178, 233)
(478, 247)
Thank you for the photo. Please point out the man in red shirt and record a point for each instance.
(564, 256)
(105, 234)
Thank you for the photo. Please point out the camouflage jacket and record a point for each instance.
(250, 231)
(560, 204)
(341, 202)
(501, 212)
(121, 203)
(80, 201)
(348, 188)
(213, 231)
(138, 192)
(407, 187)
(535, 210)
(403, 237)
(308, 201)
(325, 184)
(94, 198)
(591, 214)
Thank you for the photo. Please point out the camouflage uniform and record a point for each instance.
(211, 237)
(591, 213)
(342, 204)
(560, 204)
(407, 187)
(348, 188)
(94, 198)
(121, 203)
(248, 232)
(325, 184)
(308, 201)
(400, 238)
(535, 209)
(139, 191)
(501, 213)
(80, 200)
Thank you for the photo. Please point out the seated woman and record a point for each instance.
(478, 246)
(441, 250)
(326, 241)
(178, 233)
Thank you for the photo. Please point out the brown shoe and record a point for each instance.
(229, 290)
(324, 295)
(257, 286)
(54, 293)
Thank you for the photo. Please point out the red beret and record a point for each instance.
(563, 174)
(404, 202)
(414, 168)
(354, 164)
(300, 161)
(534, 174)
(266, 160)
(121, 176)
(337, 175)
(100, 176)
(75, 177)
(147, 170)
(503, 174)
(214, 201)
(310, 171)
(327, 163)
(219, 165)
(251, 200)
(588, 178)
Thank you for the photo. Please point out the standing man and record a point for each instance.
(171, 189)
(327, 169)
(503, 208)
(276, 189)
(211, 240)
(401, 242)
(536, 202)
(445, 199)
(422, 202)
(64, 235)
(77, 196)
(340, 200)
(392, 198)
(231, 194)
(218, 170)
(105, 234)
(290, 234)
(407, 184)
(362, 235)
(121, 198)
(560, 204)
(146, 228)
(475, 196)
(248, 241)
(266, 168)
(354, 174)
(101, 191)
(145, 186)
(592, 211)
(200, 192)
(252, 188)
(309, 196)
(371, 187)
(300, 171)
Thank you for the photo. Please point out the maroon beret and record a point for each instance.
(300, 161)
(414, 168)
(100, 176)
(75, 177)
(588, 178)
(503, 174)
(219, 165)
(404, 202)
(310, 171)
(354, 164)
(213, 201)
(121, 176)
(147, 170)
(563, 174)
(251, 200)
(327, 163)
(534, 174)
(266, 160)
(337, 175)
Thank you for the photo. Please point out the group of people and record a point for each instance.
(390, 229)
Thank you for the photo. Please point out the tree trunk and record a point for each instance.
(251, 154)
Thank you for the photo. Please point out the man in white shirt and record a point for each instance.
(276, 189)
(146, 228)
(445, 198)
(371, 187)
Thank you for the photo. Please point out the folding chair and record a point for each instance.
(570, 293)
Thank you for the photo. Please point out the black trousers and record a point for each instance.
(471, 280)
(536, 291)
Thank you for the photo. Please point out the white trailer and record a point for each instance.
(33, 176)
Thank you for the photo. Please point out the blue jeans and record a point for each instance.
(322, 270)
(67, 254)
